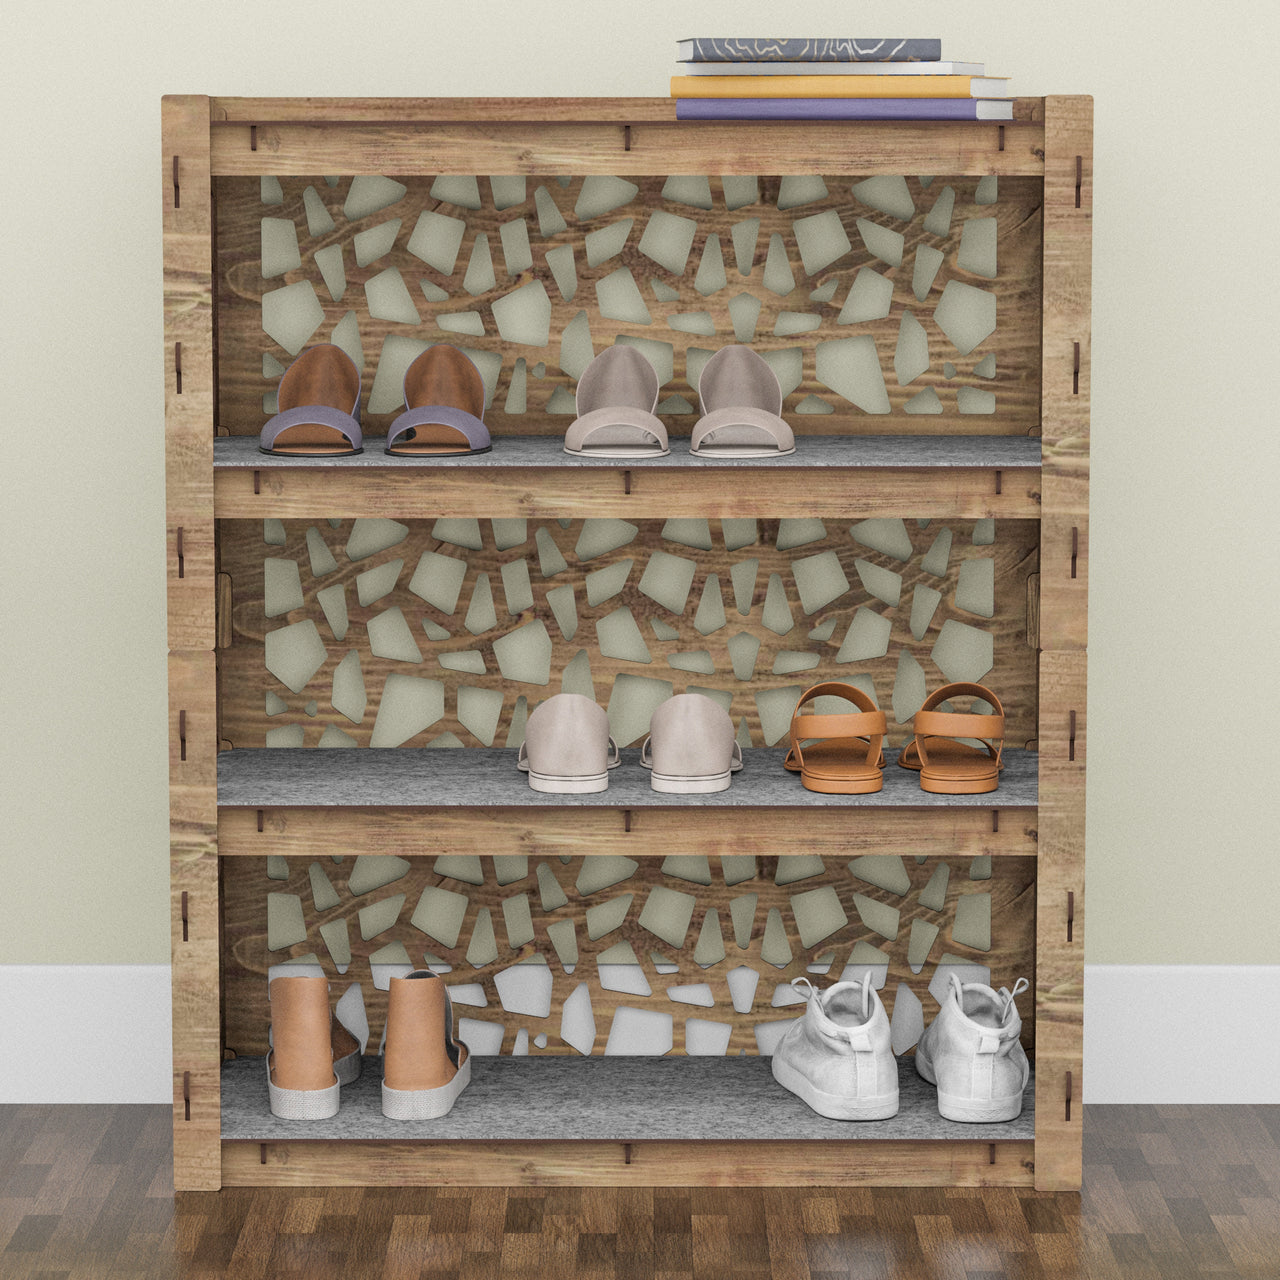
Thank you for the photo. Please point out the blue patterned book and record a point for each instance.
(815, 49)
(843, 109)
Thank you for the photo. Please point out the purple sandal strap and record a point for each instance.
(468, 425)
(317, 415)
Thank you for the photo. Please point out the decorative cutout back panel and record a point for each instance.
(447, 633)
(605, 954)
(886, 305)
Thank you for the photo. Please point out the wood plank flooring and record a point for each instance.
(1170, 1192)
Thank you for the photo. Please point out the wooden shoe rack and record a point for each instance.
(956, 475)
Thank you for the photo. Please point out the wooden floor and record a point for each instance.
(1170, 1192)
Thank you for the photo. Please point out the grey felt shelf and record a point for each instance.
(480, 777)
(932, 452)
(621, 1099)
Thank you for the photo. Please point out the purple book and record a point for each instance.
(843, 109)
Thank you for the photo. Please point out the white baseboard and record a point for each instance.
(1152, 1033)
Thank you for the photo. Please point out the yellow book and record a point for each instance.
(865, 86)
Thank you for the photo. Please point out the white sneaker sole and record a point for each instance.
(569, 786)
(834, 1106)
(675, 784)
(425, 1104)
(314, 1104)
(952, 1106)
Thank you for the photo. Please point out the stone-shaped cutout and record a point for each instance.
(391, 637)
(564, 609)
(482, 614)
(576, 349)
(409, 704)
(710, 616)
(966, 970)
(908, 688)
(564, 939)
(744, 311)
(334, 737)
(986, 367)
(821, 239)
(793, 322)
(369, 194)
(374, 242)
(466, 322)
(479, 711)
(972, 926)
(279, 247)
(273, 533)
(564, 270)
(743, 576)
(907, 1023)
(517, 254)
(742, 987)
(667, 239)
(865, 959)
(775, 707)
(742, 912)
(293, 654)
(937, 221)
(338, 940)
(523, 316)
(884, 870)
(775, 949)
(887, 536)
(372, 535)
(576, 676)
(879, 917)
(323, 894)
(524, 655)
(438, 580)
(797, 189)
(819, 580)
(934, 894)
(710, 947)
(879, 582)
(925, 401)
(277, 867)
(550, 220)
(666, 914)
(286, 926)
(618, 636)
(987, 190)
(607, 242)
(516, 587)
(349, 697)
(470, 661)
(745, 235)
(776, 615)
(632, 703)
(867, 637)
(870, 298)
(600, 195)
(436, 239)
(693, 190)
(377, 582)
(516, 726)
(602, 872)
(667, 580)
(881, 242)
(798, 866)
(966, 314)
(605, 917)
(978, 247)
(604, 584)
(789, 661)
(319, 219)
(618, 298)
(462, 190)
(291, 315)
(692, 867)
(480, 277)
(322, 561)
(737, 868)
(980, 867)
(935, 560)
(818, 914)
(963, 653)
(468, 993)
(928, 261)
(975, 400)
(577, 1021)
(518, 921)
(291, 735)
(743, 649)
(281, 587)
(483, 947)
(698, 661)
(738, 533)
(699, 322)
(778, 277)
(976, 587)
(851, 368)
(483, 1039)
(388, 298)
(911, 354)
(552, 894)
(551, 560)
(984, 532)
(886, 193)
(924, 604)
(639, 1032)
(380, 916)
(698, 993)
(711, 277)
(740, 190)
(824, 630)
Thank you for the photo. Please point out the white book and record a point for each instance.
(831, 69)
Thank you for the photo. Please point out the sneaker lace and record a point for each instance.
(1010, 996)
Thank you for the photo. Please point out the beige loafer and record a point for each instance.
(424, 1068)
(312, 1053)
(567, 747)
(691, 748)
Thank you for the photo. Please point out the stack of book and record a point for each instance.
(785, 79)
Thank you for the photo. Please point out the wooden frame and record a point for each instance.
(1050, 138)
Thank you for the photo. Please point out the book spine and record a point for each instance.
(730, 49)
(820, 86)
(688, 68)
(826, 109)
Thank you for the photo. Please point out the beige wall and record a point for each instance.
(1182, 784)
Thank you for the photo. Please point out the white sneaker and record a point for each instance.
(973, 1053)
(837, 1057)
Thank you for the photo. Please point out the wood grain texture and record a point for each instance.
(410, 147)
(1068, 232)
(193, 862)
(1060, 972)
(962, 493)
(1170, 1193)
(1014, 344)
(513, 110)
(653, 1164)
(244, 678)
(405, 832)
(189, 412)
(246, 958)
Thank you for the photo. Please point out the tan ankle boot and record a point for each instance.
(423, 1067)
(312, 1053)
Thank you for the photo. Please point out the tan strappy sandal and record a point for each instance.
(847, 758)
(947, 766)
